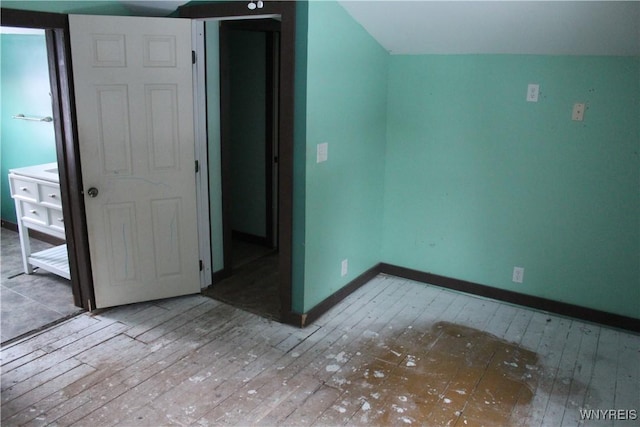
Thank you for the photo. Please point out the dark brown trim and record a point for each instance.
(67, 149)
(314, 314)
(219, 276)
(557, 307)
(287, 12)
(35, 234)
(538, 303)
(269, 128)
(251, 238)
(29, 19)
(225, 151)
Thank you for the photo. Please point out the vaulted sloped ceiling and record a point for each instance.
(512, 27)
(460, 27)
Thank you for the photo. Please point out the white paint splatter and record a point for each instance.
(332, 368)
(396, 353)
(366, 406)
(378, 374)
(341, 381)
(402, 398)
(294, 354)
(397, 408)
(460, 392)
(252, 392)
(369, 334)
(339, 409)
(199, 378)
(512, 364)
(406, 420)
(447, 400)
(375, 395)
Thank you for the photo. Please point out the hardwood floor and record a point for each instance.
(394, 352)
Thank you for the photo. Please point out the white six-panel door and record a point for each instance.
(134, 100)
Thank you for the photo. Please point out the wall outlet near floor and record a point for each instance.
(518, 274)
(578, 112)
(345, 267)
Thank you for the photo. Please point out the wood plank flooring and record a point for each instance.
(395, 352)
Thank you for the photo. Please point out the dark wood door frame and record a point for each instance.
(271, 29)
(287, 12)
(56, 28)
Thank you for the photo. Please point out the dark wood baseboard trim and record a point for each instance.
(557, 307)
(314, 314)
(220, 275)
(250, 238)
(33, 234)
(544, 304)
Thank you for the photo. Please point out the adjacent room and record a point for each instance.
(449, 212)
(31, 297)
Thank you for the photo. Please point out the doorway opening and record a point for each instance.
(249, 79)
(36, 288)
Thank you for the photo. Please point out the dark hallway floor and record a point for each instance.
(254, 284)
(29, 302)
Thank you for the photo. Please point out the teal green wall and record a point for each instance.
(25, 90)
(247, 136)
(478, 180)
(212, 48)
(346, 107)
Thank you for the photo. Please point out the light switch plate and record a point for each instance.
(532, 92)
(322, 152)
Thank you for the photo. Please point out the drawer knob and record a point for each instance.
(52, 195)
(24, 188)
(33, 211)
(92, 192)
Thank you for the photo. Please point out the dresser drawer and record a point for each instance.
(49, 195)
(23, 189)
(34, 213)
(56, 220)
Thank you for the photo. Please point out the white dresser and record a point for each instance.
(36, 193)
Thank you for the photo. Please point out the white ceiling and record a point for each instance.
(459, 27)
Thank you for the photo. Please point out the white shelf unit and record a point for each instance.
(36, 193)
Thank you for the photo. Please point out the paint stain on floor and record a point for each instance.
(451, 375)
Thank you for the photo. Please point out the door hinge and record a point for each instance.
(197, 166)
(193, 56)
(201, 265)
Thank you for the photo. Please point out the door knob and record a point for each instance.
(92, 192)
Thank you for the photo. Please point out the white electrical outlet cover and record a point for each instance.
(578, 112)
(345, 267)
(518, 274)
(532, 92)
